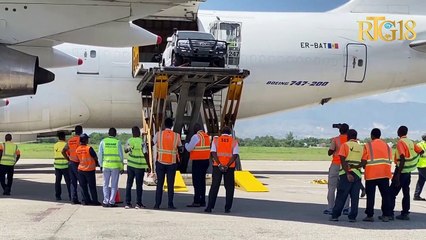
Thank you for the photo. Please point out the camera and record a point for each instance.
(337, 125)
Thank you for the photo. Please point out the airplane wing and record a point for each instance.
(409, 7)
(81, 21)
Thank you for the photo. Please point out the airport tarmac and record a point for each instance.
(292, 209)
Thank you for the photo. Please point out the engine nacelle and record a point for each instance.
(20, 73)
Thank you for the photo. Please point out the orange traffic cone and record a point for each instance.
(117, 197)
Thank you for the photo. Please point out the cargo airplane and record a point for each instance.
(296, 59)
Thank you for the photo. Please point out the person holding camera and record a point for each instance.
(333, 171)
(224, 152)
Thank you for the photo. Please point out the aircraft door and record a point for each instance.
(90, 61)
(231, 33)
(356, 62)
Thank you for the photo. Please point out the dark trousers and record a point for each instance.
(420, 182)
(404, 184)
(133, 173)
(199, 171)
(73, 169)
(87, 181)
(6, 170)
(161, 171)
(229, 182)
(370, 189)
(345, 189)
(58, 188)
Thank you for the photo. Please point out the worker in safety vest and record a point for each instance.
(333, 171)
(199, 154)
(136, 166)
(61, 167)
(377, 162)
(69, 153)
(350, 177)
(88, 161)
(167, 144)
(421, 167)
(9, 156)
(406, 158)
(110, 156)
(224, 152)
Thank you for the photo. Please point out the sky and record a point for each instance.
(412, 94)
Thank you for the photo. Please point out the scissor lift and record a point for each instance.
(187, 94)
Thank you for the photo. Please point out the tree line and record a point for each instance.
(290, 140)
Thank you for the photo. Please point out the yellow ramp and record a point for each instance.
(244, 180)
(180, 185)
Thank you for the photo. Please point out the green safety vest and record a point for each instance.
(111, 157)
(9, 154)
(353, 158)
(410, 163)
(135, 157)
(422, 159)
(60, 162)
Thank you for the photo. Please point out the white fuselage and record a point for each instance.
(295, 59)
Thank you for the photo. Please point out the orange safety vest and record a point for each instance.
(224, 148)
(379, 164)
(202, 149)
(87, 162)
(73, 144)
(167, 146)
(339, 140)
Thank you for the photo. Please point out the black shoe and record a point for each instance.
(105, 205)
(208, 210)
(6, 193)
(418, 198)
(194, 205)
(58, 198)
(156, 207)
(96, 204)
(402, 217)
(384, 218)
(75, 202)
(172, 207)
(227, 210)
(113, 205)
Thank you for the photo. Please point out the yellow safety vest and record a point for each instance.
(111, 157)
(9, 154)
(136, 158)
(410, 163)
(422, 159)
(353, 158)
(60, 162)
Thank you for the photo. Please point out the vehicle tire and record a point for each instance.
(177, 60)
(220, 62)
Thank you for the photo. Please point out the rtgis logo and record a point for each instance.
(379, 28)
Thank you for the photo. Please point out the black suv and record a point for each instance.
(185, 47)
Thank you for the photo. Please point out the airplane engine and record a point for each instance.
(20, 73)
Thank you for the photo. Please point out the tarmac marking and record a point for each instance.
(66, 220)
(44, 214)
